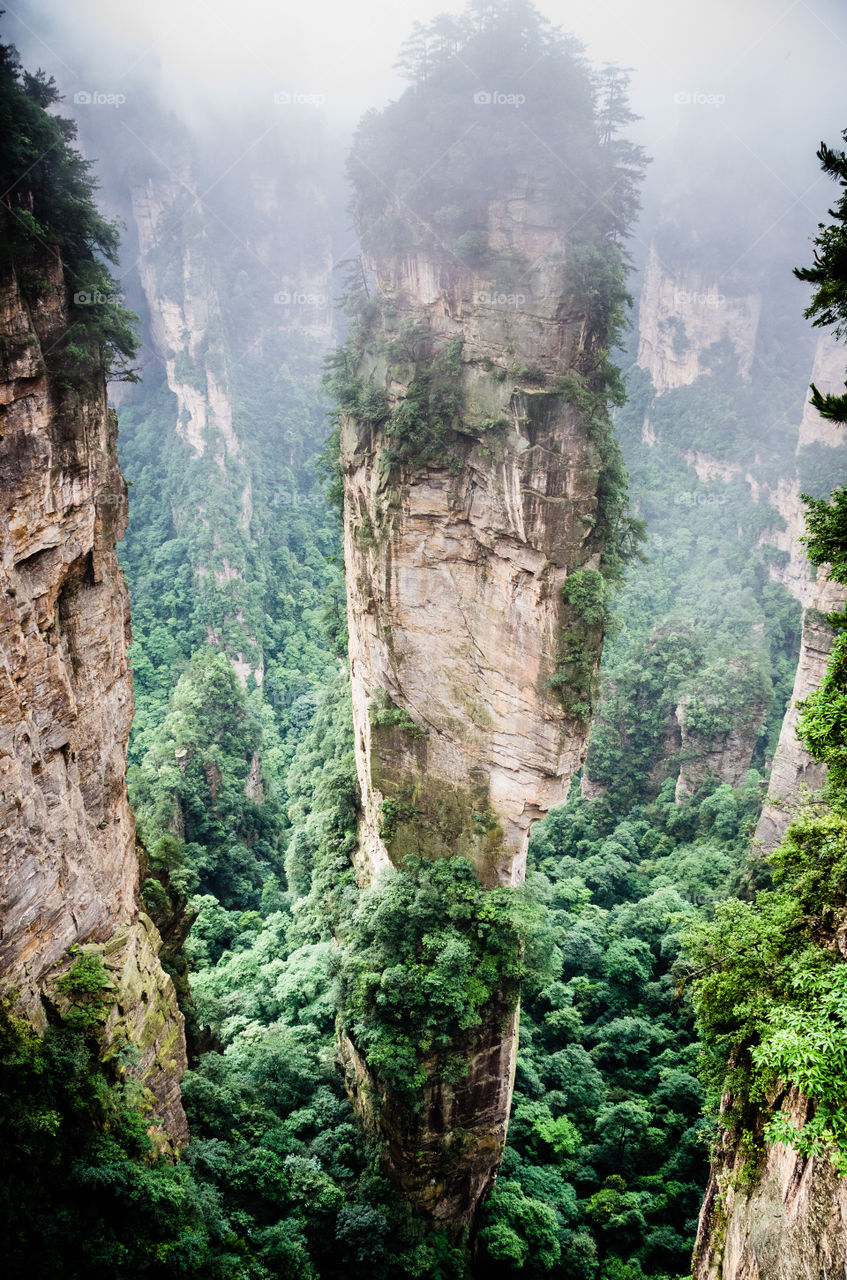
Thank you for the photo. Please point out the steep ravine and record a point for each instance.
(69, 868)
(457, 623)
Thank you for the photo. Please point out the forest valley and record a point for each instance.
(676, 981)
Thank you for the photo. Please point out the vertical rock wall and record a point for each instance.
(684, 312)
(794, 772)
(68, 863)
(790, 1222)
(789, 1218)
(458, 625)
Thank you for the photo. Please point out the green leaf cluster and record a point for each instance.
(427, 953)
(49, 223)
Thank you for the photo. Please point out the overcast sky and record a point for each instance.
(783, 57)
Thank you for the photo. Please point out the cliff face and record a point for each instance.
(445, 1158)
(223, 279)
(68, 870)
(789, 1221)
(727, 757)
(788, 1218)
(681, 314)
(794, 771)
(457, 621)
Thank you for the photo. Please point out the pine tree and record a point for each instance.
(829, 275)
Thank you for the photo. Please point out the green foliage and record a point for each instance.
(82, 1193)
(274, 1136)
(383, 711)
(767, 992)
(426, 953)
(606, 1157)
(524, 1234)
(817, 463)
(569, 122)
(87, 984)
(394, 811)
(419, 428)
(805, 1044)
(769, 982)
(472, 151)
(823, 717)
(829, 274)
(193, 780)
(826, 532)
(197, 576)
(705, 631)
(575, 677)
(585, 591)
(607, 1131)
(48, 219)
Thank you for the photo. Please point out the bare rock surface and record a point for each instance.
(682, 314)
(68, 863)
(785, 1220)
(457, 625)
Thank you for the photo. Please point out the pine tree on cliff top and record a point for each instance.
(829, 275)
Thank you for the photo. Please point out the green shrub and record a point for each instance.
(426, 954)
(586, 592)
(383, 711)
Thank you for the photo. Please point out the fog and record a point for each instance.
(730, 96)
(769, 67)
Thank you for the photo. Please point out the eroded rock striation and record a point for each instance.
(789, 1221)
(69, 869)
(472, 491)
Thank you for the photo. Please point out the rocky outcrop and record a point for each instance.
(794, 773)
(795, 573)
(684, 312)
(443, 1158)
(184, 321)
(785, 1215)
(780, 1220)
(470, 670)
(455, 568)
(727, 756)
(140, 1014)
(68, 870)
